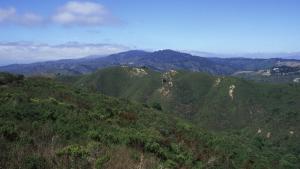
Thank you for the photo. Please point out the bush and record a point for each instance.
(156, 106)
(135, 156)
(288, 161)
(170, 164)
(101, 161)
(74, 156)
(73, 151)
(6, 78)
(152, 147)
(8, 131)
(34, 162)
(129, 116)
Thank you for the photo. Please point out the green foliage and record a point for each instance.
(74, 156)
(135, 155)
(205, 100)
(152, 147)
(289, 161)
(8, 131)
(6, 78)
(101, 161)
(34, 162)
(58, 126)
(73, 151)
(156, 106)
(170, 164)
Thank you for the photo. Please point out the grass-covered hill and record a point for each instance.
(49, 124)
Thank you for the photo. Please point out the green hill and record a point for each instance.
(215, 103)
(49, 124)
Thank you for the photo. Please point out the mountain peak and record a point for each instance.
(168, 51)
(132, 52)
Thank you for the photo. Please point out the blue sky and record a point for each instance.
(219, 26)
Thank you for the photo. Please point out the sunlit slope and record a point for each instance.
(46, 124)
(213, 102)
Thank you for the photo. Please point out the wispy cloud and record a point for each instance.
(11, 16)
(83, 13)
(73, 13)
(7, 14)
(31, 19)
(27, 52)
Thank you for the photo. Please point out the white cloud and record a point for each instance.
(83, 13)
(80, 13)
(7, 14)
(25, 52)
(11, 16)
(31, 19)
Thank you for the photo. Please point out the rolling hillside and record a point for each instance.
(214, 103)
(46, 124)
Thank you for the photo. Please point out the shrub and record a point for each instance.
(8, 131)
(157, 106)
(6, 78)
(135, 156)
(170, 164)
(288, 161)
(74, 151)
(101, 161)
(112, 136)
(128, 116)
(74, 156)
(152, 147)
(34, 162)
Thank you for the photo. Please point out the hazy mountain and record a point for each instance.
(162, 60)
(257, 55)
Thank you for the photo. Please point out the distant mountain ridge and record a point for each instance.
(162, 60)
